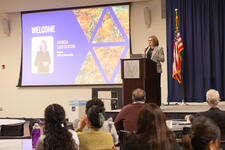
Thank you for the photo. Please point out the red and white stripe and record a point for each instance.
(178, 47)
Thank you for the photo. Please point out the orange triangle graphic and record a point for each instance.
(89, 72)
(122, 14)
(88, 19)
(108, 57)
(108, 31)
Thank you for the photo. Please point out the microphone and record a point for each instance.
(146, 49)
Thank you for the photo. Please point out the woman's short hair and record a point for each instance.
(155, 40)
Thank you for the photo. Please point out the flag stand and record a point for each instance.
(182, 87)
(181, 74)
(181, 66)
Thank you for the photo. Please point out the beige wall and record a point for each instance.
(30, 101)
(140, 34)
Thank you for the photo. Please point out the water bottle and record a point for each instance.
(35, 134)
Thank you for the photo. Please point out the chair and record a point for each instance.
(222, 144)
(70, 125)
(123, 137)
(186, 130)
(12, 130)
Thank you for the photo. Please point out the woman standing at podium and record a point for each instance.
(154, 52)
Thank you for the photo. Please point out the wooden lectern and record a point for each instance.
(140, 73)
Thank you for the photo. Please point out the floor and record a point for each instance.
(189, 107)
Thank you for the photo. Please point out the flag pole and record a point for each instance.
(181, 70)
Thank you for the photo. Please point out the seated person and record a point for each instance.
(204, 135)
(127, 117)
(56, 135)
(152, 132)
(214, 113)
(94, 138)
(108, 125)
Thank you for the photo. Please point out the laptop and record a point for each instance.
(137, 56)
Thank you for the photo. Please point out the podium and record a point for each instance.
(140, 73)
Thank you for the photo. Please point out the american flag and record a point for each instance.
(178, 47)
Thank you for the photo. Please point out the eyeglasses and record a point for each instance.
(150, 40)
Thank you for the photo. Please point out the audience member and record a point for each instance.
(56, 135)
(152, 132)
(204, 135)
(214, 113)
(94, 138)
(127, 117)
(108, 125)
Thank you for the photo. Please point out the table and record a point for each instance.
(177, 126)
(11, 121)
(9, 127)
(16, 144)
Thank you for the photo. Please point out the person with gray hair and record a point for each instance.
(127, 117)
(214, 113)
(212, 97)
(138, 95)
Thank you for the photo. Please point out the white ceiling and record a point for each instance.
(9, 6)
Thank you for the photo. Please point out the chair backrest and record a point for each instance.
(12, 130)
(186, 130)
(123, 137)
(222, 144)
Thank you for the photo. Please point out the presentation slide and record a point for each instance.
(79, 46)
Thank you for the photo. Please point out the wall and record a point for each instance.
(30, 102)
(140, 34)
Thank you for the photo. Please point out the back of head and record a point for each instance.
(54, 115)
(95, 115)
(203, 132)
(94, 101)
(57, 135)
(212, 97)
(138, 95)
(152, 129)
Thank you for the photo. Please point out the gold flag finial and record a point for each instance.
(176, 21)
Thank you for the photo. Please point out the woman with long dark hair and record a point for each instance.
(152, 132)
(204, 135)
(56, 135)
